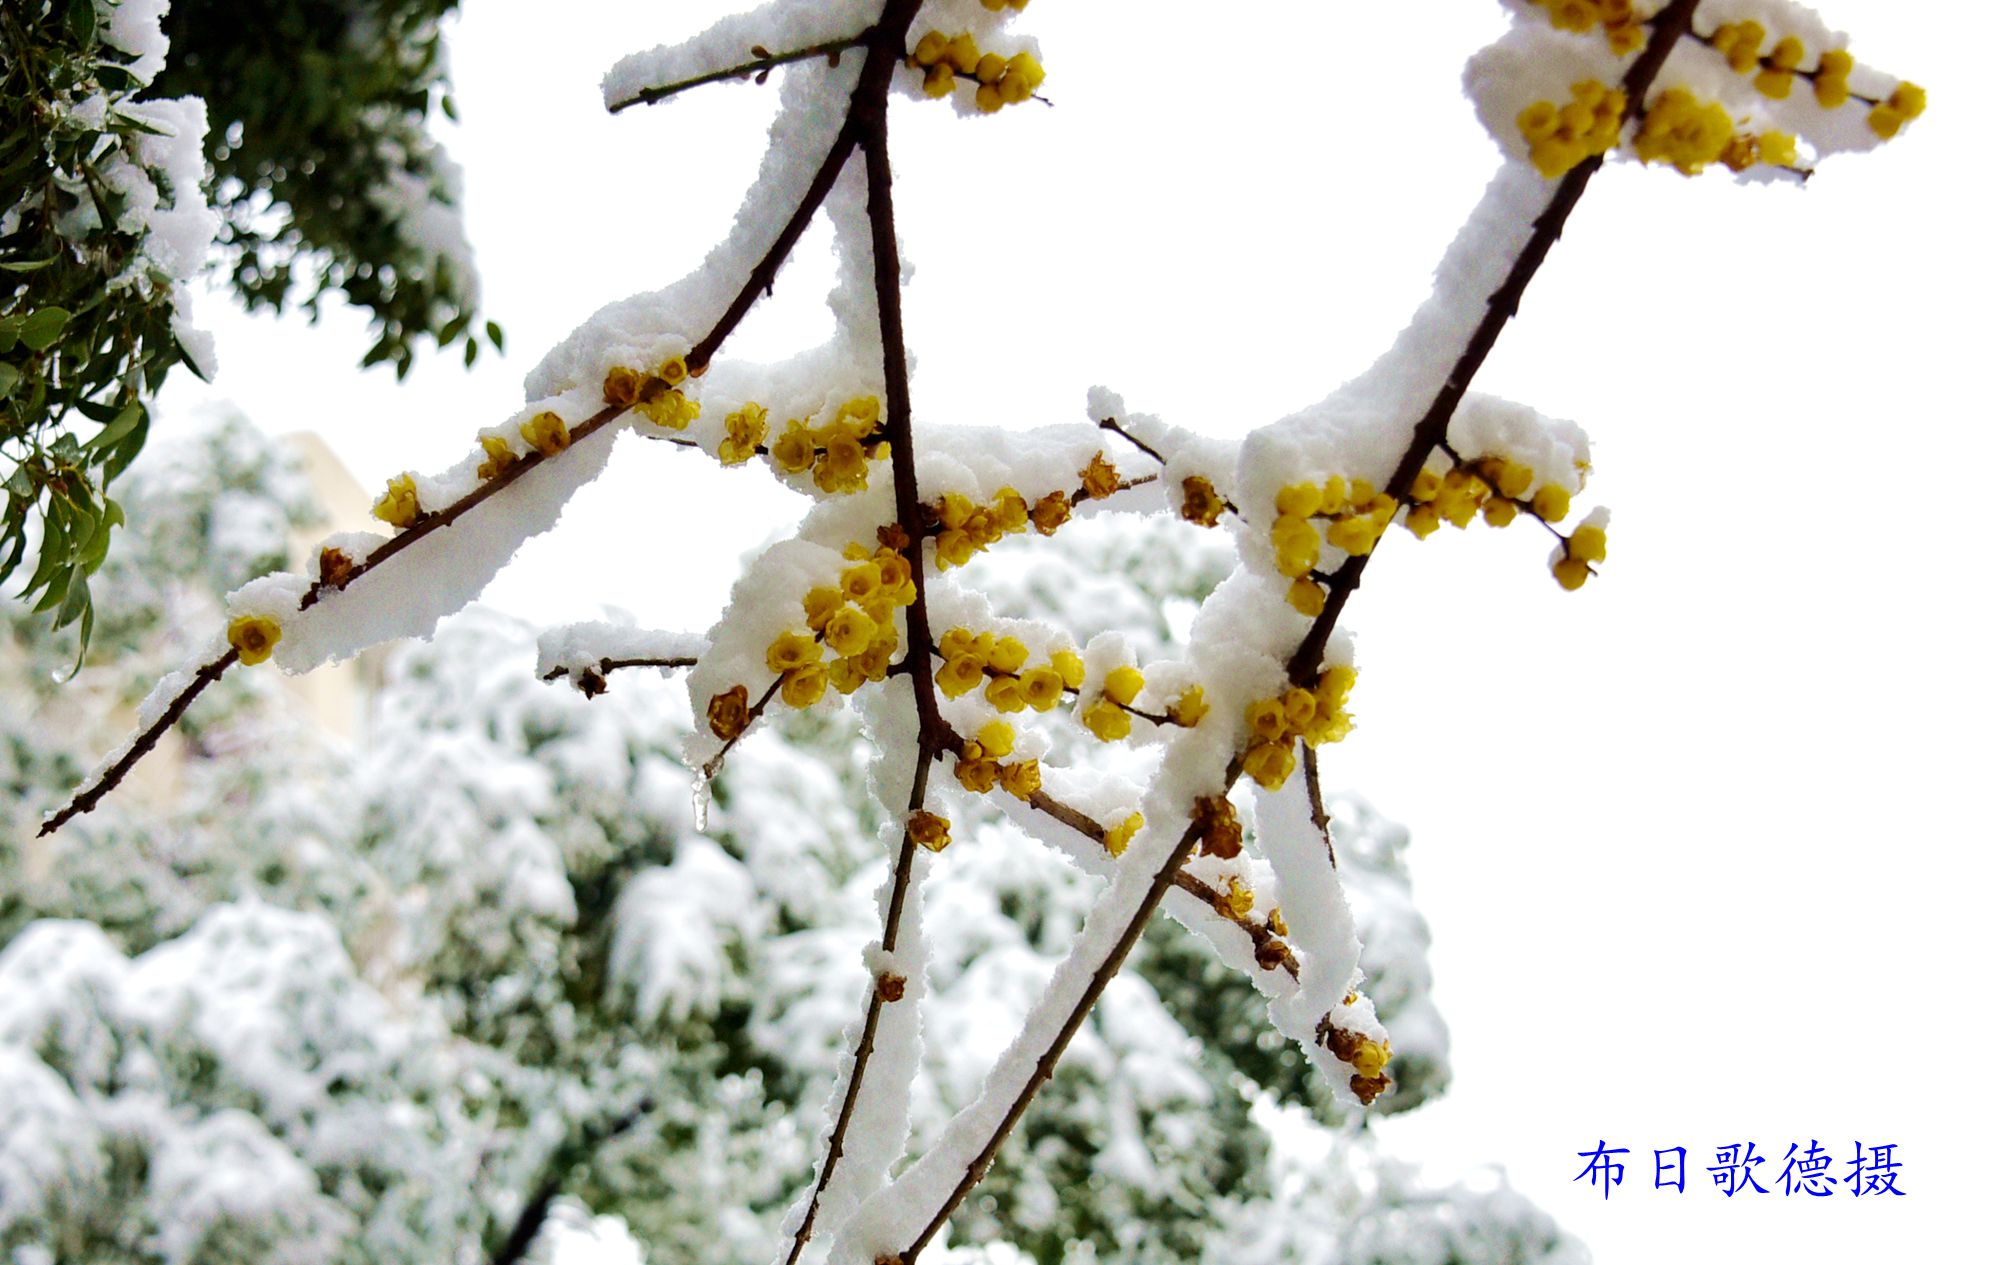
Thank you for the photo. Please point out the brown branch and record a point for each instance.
(1669, 25)
(590, 682)
(760, 65)
(1111, 424)
(535, 1213)
(1315, 797)
(1672, 23)
(1081, 495)
(867, 124)
(87, 799)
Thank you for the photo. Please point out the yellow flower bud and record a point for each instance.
(1119, 837)
(930, 830)
(996, 737)
(398, 506)
(1107, 720)
(1122, 684)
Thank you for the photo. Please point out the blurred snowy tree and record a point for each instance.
(393, 1003)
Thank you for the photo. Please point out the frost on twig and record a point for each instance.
(868, 597)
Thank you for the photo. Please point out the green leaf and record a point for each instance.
(28, 265)
(40, 331)
(9, 375)
(496, 336)
(120, 426)
(83, 21)
(76, 599)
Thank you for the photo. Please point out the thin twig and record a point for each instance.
(1316, 799)
(590, 682)
(205, 676)
(758, 66)
(1111, 424)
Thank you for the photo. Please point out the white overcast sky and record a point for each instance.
(1708, 848)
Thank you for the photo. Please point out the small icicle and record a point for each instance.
(702, 796)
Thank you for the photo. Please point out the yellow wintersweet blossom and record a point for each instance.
(1100, 478)
(743, 431)
(793, 450)
(398, 506)
(1120, 836)
(1009, 654)
(1561, 136)
(1297, 545)
(254, 637)
(1122, 684)
(803, 685)
(621, 387)
(664, 406)
(500, 456)
(960, 675)
(975, 771)
(1306, 597)
(820, 604)
(849, 631)
(729, 712)
(843, 467)
(1069, 665)
(791, 650)
(1050, 513)
(1042, 688)
(1587, 543)
(1266, 719)
(996, 738)
(1684, 131)
(1007, 694)
(1189, 708)
(1200, 502)
(1775, 80)
(1108, 721)
(930, 830)
(1023, 75)
(1903, 105)
(1021, 779)
(1270, 763)
(1237, 895)
(547, 433)
(1830, 80)
(1551, 503)
(1301, 500)
(1371, 1059)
